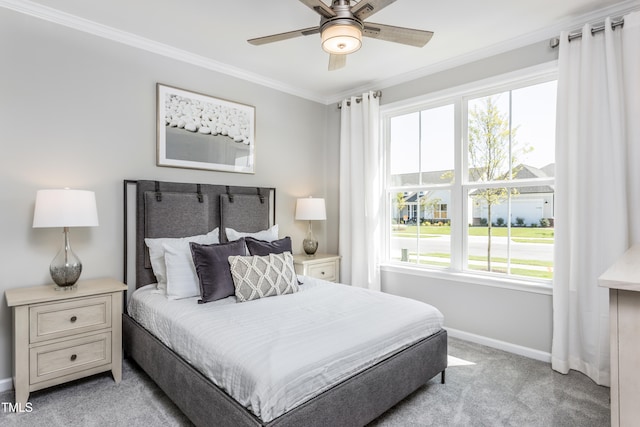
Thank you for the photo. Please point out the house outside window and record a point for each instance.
(470, 181)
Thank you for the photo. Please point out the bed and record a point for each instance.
(359, 391)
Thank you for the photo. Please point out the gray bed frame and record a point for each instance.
(165, 209)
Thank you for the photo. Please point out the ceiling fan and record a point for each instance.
(342, 27)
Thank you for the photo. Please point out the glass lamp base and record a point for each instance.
(310, 246)
(66, 267)
(310, 243)
(66, 276)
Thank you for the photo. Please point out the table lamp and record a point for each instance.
(65, 208)
(310, 209)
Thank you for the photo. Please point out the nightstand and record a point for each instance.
(320, 266)
(63, 335)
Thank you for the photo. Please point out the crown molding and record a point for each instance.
(71, 21)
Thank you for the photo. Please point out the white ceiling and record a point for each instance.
(213, 34)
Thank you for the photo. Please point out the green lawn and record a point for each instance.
(494, 259)
(519, 270)
(519, 234)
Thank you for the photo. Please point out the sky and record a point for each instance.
(533, 110)
(536, 106)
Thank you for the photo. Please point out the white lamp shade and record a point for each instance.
(65, 208)
(311, 209)
(341, 39)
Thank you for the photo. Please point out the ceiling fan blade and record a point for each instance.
(320, 7)
(366, 8)
(284, 36)
(337, 61)
(402, 35)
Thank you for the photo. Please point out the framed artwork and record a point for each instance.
(198, 131)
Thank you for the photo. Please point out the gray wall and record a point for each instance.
(512, 316)
(79, 111)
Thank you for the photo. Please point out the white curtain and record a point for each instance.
(597, 187)
(361, 207)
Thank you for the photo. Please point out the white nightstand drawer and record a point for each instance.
(320, 266)
(49, 321)
(326, 271)
(66, 357)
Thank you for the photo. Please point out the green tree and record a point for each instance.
(429, 204)
(493, 153)
(400, 205)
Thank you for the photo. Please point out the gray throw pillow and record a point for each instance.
(263, 247)
(212, 267)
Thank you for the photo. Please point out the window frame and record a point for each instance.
(461, 185)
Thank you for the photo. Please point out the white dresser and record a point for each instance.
(623, 281)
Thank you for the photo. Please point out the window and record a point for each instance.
(421, 158)
(470, 183)
(440, 211)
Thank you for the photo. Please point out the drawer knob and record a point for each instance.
(73, 357)
(322, 272)
(73, 319)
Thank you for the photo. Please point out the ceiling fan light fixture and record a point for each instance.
(341, 39)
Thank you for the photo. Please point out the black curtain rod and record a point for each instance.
(555, 42)
(376, 94)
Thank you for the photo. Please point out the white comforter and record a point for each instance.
(275, 353)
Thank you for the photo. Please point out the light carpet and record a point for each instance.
(484, 387)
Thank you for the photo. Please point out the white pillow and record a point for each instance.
(182, 279)
(157, 251)
(268, 235)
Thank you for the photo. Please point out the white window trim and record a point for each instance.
(458, 96)
(438, 98)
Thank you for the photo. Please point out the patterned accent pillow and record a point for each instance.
(263, 276)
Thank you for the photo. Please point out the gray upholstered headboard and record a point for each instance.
(173, 209)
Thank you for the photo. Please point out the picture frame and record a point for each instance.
(198, 131)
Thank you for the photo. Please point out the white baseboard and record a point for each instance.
(6, 384)
(501, 345)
